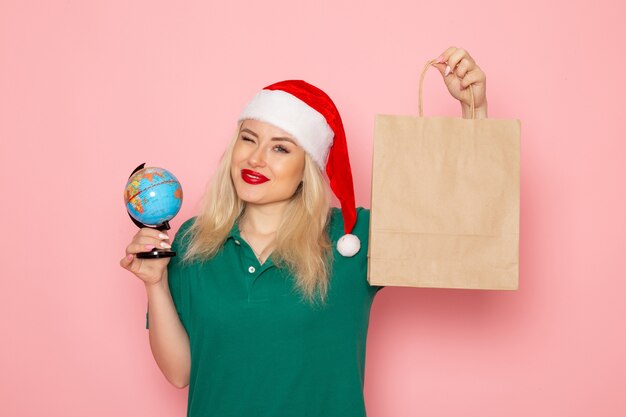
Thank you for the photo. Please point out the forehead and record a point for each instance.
(265, 129)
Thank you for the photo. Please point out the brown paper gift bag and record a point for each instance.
(445, 201)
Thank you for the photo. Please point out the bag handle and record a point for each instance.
(428, 65)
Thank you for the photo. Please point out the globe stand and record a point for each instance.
(154, 253)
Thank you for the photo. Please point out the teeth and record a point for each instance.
(252, 176)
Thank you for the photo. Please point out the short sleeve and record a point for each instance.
(176, 272)
(362, 231)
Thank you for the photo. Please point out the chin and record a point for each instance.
(249, 196)
(250, 199)
(254, 195)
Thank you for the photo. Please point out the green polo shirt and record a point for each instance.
(257, 348)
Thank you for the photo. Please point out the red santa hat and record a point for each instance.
(308, 114)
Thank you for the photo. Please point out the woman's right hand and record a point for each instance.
(150, 271)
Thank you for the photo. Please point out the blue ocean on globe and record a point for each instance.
(153, 196)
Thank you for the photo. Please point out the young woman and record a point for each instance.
(265, 309)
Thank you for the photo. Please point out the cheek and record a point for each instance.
(295, 171)
(237, 158)
(236, 155)
(234, 167)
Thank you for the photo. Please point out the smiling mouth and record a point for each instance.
(253, 177)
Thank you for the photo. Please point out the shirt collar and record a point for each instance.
(235, 235)
(234, 231)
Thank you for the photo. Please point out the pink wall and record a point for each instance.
(89, 89)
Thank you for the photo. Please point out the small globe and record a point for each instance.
(153, 196)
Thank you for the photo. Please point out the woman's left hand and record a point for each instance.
(459, 71)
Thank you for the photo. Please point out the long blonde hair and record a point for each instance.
(301, 244)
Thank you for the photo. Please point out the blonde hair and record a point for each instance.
(301, 244)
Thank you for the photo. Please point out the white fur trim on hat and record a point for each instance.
(294, 116)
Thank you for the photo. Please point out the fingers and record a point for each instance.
(144, 240)
(143, 246)
(457, 62)
(454, 61)
(459, 71)
(462, 67)
(131, 263)
(146, 231)
(462, 59)
(127, 260)
(441, 61)
(445, 56)
(475, 77)
(149, 271)
(441, 68)
(146, 235)
(148, 242)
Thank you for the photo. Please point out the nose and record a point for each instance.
(257, 157)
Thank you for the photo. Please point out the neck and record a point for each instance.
(262, 219)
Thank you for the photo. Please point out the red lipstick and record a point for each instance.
(253, 177)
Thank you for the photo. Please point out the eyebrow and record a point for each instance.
(278, 138)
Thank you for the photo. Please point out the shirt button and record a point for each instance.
(237, 242)
(251, 270)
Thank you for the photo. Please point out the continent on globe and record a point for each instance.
(153, 196)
